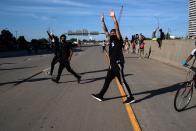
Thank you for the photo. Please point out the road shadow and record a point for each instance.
(15, 83)
(189, 108)
(18, 68)
(8, 63)
(37, 79)
(91, 80)
(157, 92)
(95, 71)
(112, 98)
(22, 53)
(83, 73)
(29, 79)
(86, 81)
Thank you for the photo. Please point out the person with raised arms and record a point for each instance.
(116, 68)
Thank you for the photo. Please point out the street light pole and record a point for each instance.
(157, 18)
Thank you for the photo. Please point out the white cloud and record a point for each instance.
(44, 18)
(47, 7)
(70, 3)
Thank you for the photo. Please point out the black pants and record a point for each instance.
(159, 42)
(53, 63)
(115, 71)
(66, 64)
(103, 48)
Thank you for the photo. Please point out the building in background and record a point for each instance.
(192, 19)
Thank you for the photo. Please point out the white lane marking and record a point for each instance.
(46, 69)
(27, 59)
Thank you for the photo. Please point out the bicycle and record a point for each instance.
(184, 94)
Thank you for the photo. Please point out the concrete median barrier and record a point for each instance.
(172, 51)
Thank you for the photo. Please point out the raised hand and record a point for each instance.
(102, 18)
(112, 13)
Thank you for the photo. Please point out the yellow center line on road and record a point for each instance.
(131, 114)
(128, 107)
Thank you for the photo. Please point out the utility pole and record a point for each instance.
(157, 18)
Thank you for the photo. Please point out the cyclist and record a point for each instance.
(193, 53)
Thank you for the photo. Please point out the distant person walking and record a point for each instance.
(116, 60)
(142, 44)
(65, 58)
(133, 44)
(55, 44)
(126, 45)
(161, 37)
(137, 43)
(104, 45)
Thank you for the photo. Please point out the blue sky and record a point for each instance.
(32, 18)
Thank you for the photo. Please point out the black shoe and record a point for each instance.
(55, 80)
(97, 97)
(130, 100)
(79, 79)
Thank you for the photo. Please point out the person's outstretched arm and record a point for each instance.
(190, 56)
(71, 53)
(49, 34)
(104, 26)
(112, 14)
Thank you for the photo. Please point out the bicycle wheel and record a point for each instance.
(189, 75)
(183, 96)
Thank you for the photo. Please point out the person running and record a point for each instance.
(55, 46)
(116, 68)
(65, 58)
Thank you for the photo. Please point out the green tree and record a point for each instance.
(39, 44)
(167, 36)
(7, 40)
(21, 41)
(72, 40)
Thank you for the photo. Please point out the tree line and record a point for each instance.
(8, 42)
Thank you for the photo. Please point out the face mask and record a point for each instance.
(63, 39)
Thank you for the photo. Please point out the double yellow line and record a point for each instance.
(132, 117)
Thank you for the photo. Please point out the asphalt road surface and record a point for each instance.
(30, 101)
